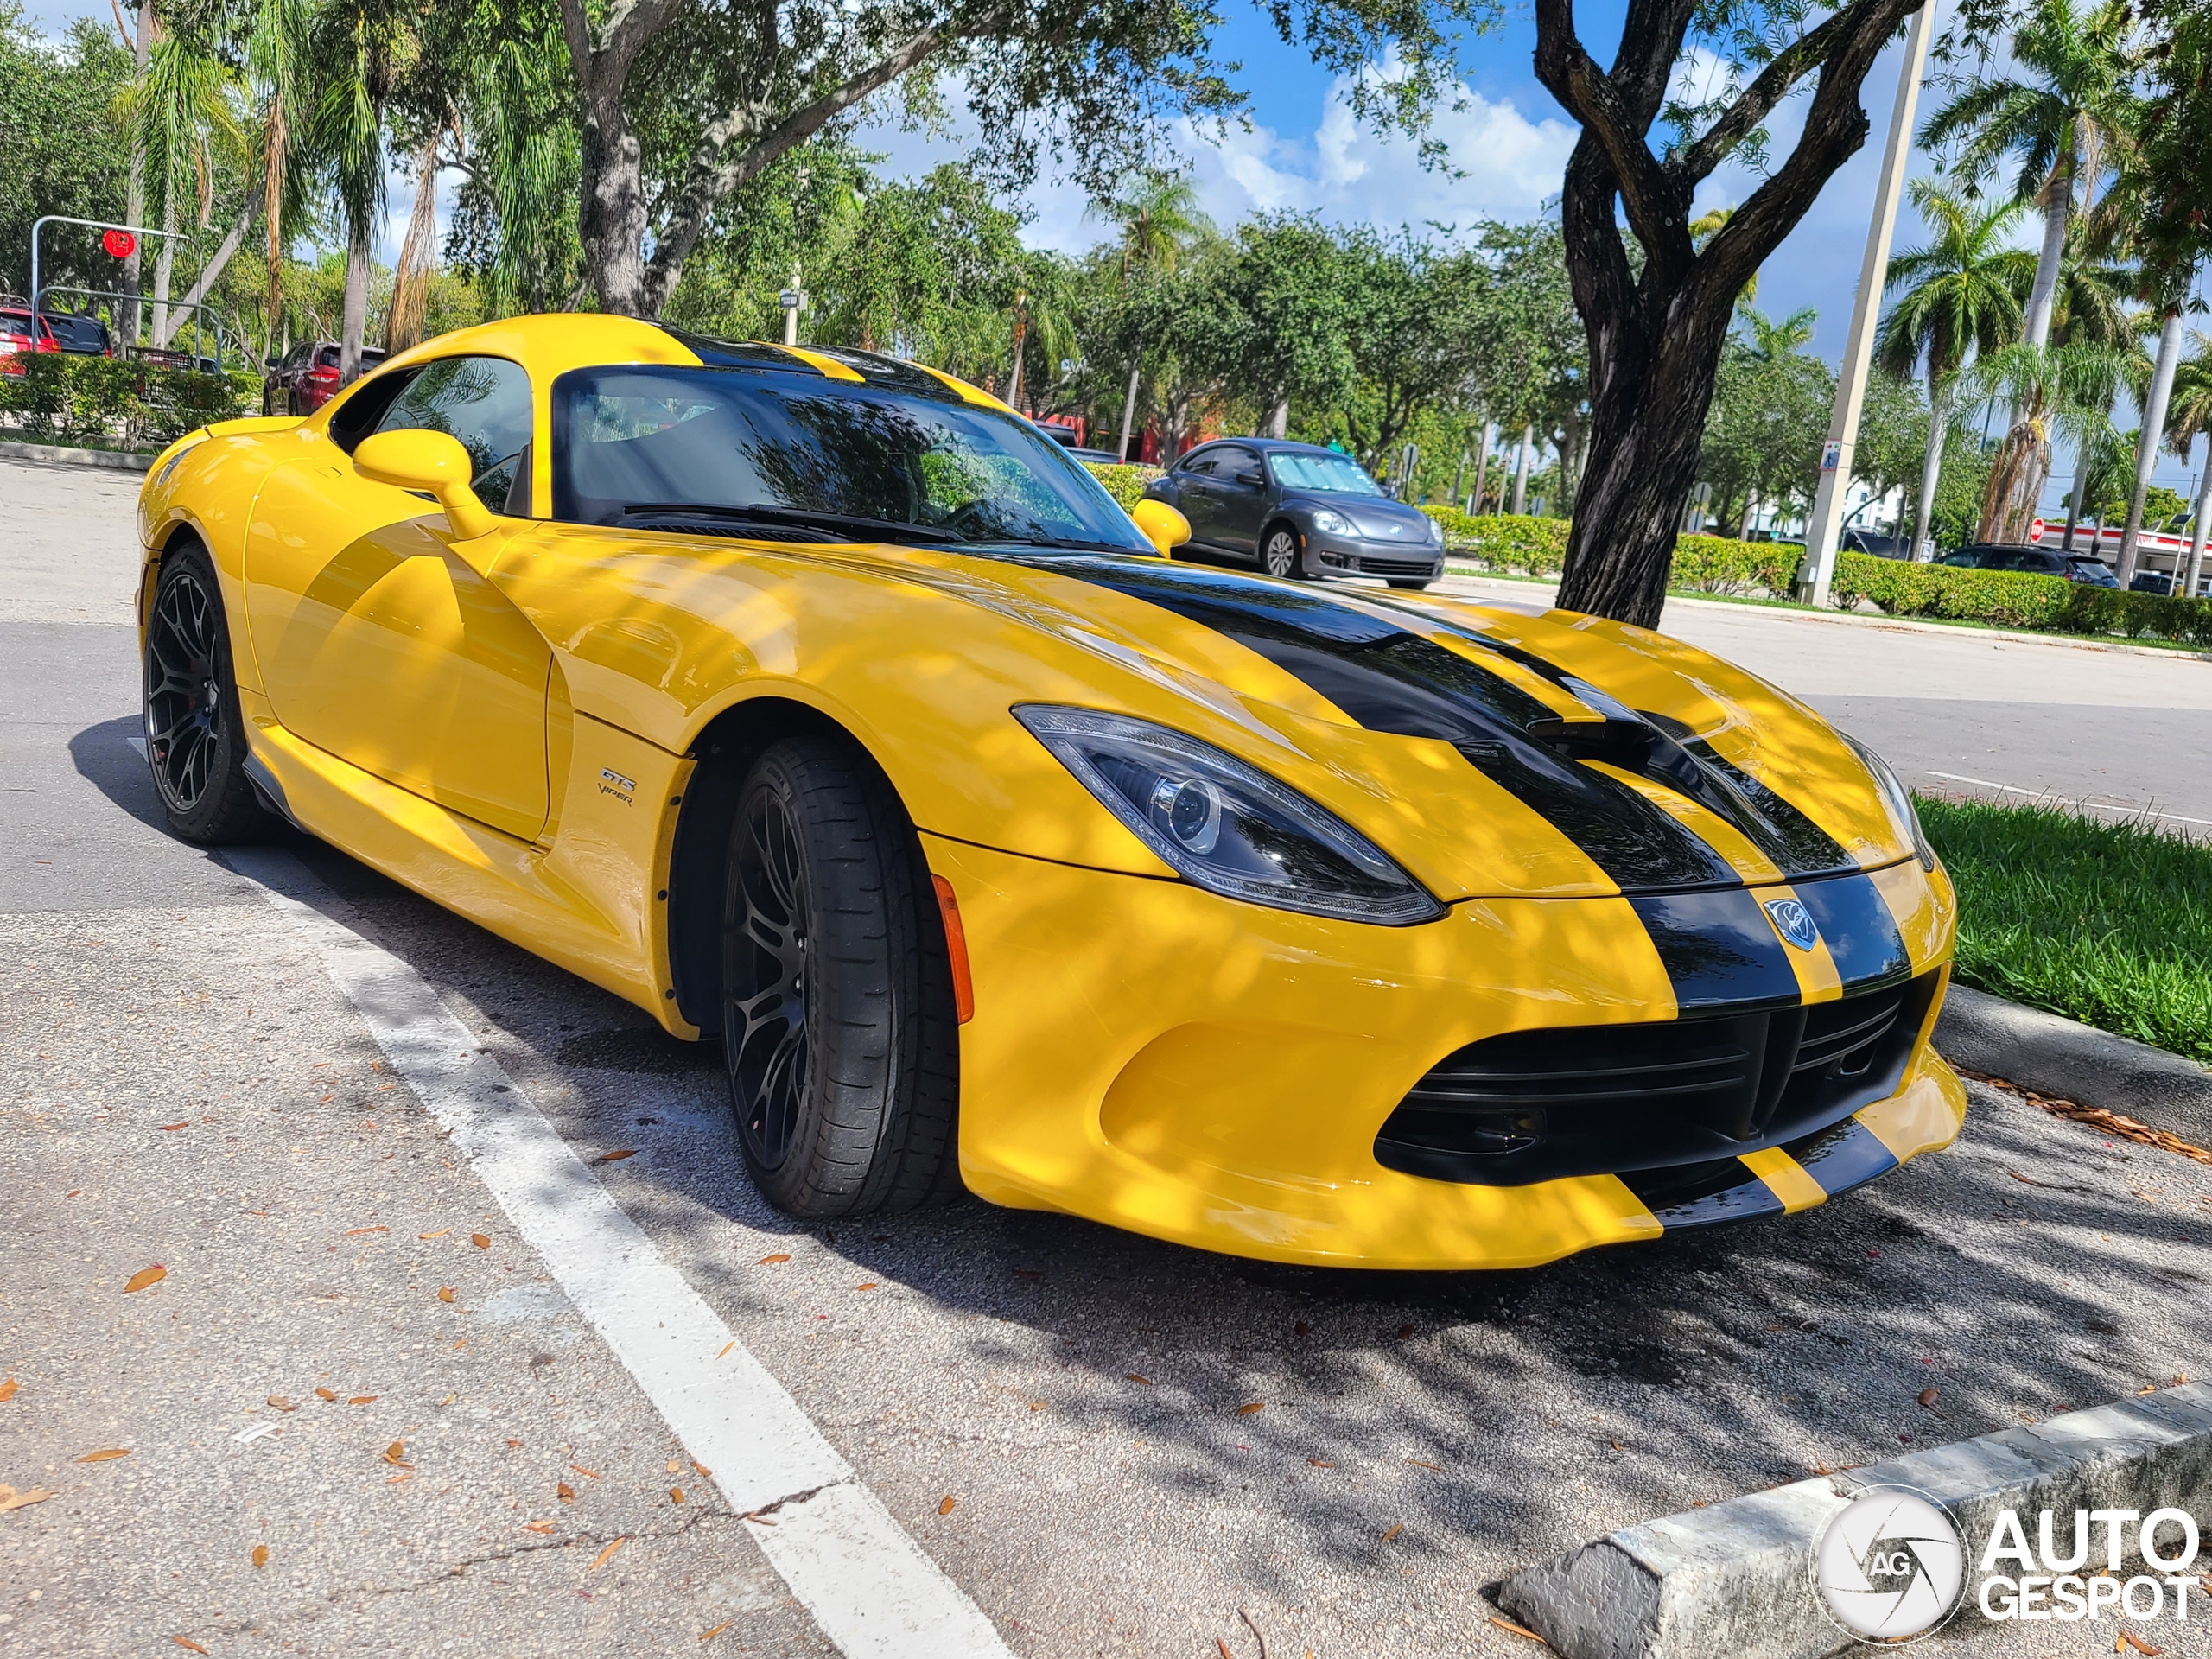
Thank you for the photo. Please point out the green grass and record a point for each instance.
(2109, 923)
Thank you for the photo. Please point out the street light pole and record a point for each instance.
(1824, 527)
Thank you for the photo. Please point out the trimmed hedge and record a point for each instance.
(1719, 564)
(1505, 541)
(1124, 481)
(102, 401)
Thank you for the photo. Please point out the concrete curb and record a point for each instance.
(1869, 620)
(1736, 1576)
(119, 461)
(2058, 1056)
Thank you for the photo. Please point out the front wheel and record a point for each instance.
(838, 1023)
(1279, 552)
(195, 736)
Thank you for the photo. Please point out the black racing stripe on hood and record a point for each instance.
(1861, 933)
(1793, 841)
(1718, 949)
(1391, 679)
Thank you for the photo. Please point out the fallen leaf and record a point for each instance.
(675, 1494)
(282, 1403)
(7, 1389)
(539, 1527)
(1247, 1409)
(143, 1277)
(1508, 1624)
(1303, 1328)
(705, 1473)
(726, 1346)
(324, 1394)
(185, 1125)
(362, 1400)
(12, 1499)
(480, 1240)
(355, 1232)
(1223, 1648)
(1037, 1405)
(1928, 1397)
(396, 1452)
(1318, 1464)
(589, 1474)
(945, 1508)
(616, 1156)
(709, 1636)
(1393, 1532)
(1404, 1332)
(187, 1642)
(511, 1445)
(770, 1261)
(1618, 1447)
(870, 1285)
(565, 1492)
(1418, 1464)
(440, 1233)
(103, 1456)
(445, 1293)
(261, 1554)
(1134, 1377)
(2180, 1379)
(2138, 1643)
(673, 1465)
(74, 1192)
(600, 1559)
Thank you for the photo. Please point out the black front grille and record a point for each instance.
(1580, 1100)
(1370, 565)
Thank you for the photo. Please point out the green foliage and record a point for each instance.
(110, 403)
(1505, 541)
(61, 150)
(2109, 923)
(1125, 484)
(2012, 599)
(1958, 494)
(1717, 564)
(1767, 421)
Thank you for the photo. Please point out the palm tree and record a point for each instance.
(2189, 412)
(1960, 296)
(1159, 221)
(2067, 121)
(1770, 341)
(357, 60)
(275, 43)
(180, 118)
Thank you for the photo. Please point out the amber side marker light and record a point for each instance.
(956, 946)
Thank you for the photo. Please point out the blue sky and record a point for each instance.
(1510, 142)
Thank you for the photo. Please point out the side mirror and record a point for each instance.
(1253, 476)
(433, 462)
(1161, 525)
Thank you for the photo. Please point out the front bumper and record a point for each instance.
(1352, 555)
(1152, 1057)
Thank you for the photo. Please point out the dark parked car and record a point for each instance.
(2153, 582)
(2031, 561)
(1873, 542)
(306, 377)
(1298, 510)
(84, 336)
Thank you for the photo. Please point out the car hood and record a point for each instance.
(1372, 517)
(1499, 751)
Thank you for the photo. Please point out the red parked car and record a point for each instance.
(19, 335)
(306, 377)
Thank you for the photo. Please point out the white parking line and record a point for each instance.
(870, 1587)
(2053, 795)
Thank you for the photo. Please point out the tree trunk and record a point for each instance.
(1520, 471)
(1459, 478)
(1482, 463)
(614, 214)
(2151, 439)
(2008, 500)
(1014, 380)
(164, 265)
(1130, 410)
(353, 325)
(1931, 468)
(2083, 454)
(134, 198)
(2197, 533)
(213, 272)
(2057, 204)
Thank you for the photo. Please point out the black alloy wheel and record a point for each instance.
(195, 737)
(1279, 551)
(838, 1025)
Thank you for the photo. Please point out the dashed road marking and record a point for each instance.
(871, 1589)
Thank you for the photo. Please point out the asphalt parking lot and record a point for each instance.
(1057, 1413)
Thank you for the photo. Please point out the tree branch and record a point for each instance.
(1758, 99)
(712, 178)
(1573, 76)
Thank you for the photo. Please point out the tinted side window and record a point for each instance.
(1233, 461)
(482, 401)
(1202, 464)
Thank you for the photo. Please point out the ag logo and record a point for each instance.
(1794, 922)
(1890, 1565)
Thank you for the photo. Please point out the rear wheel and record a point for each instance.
(837, 1014)
(1280, 551)
(196, 736)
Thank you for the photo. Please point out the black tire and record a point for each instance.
(1411, 584)
(195, 734)
(268, 403)
(838, 1024)
(1282, 550)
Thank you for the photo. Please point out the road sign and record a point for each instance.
(789, 299)
(121, 244)
(1831, 456)
(2035, 530)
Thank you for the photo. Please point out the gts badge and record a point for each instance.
(612, 782)
(1794, 922)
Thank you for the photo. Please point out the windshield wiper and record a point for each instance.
(877, 528)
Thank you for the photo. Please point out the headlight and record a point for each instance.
(1435, 530)
(1334, 522)
(1896, 801)
(1225, 827)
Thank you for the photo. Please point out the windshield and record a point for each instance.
(629, 442)
(1332, 474)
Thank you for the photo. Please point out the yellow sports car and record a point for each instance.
(817, 703)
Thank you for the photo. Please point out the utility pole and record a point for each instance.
(1822, 529)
